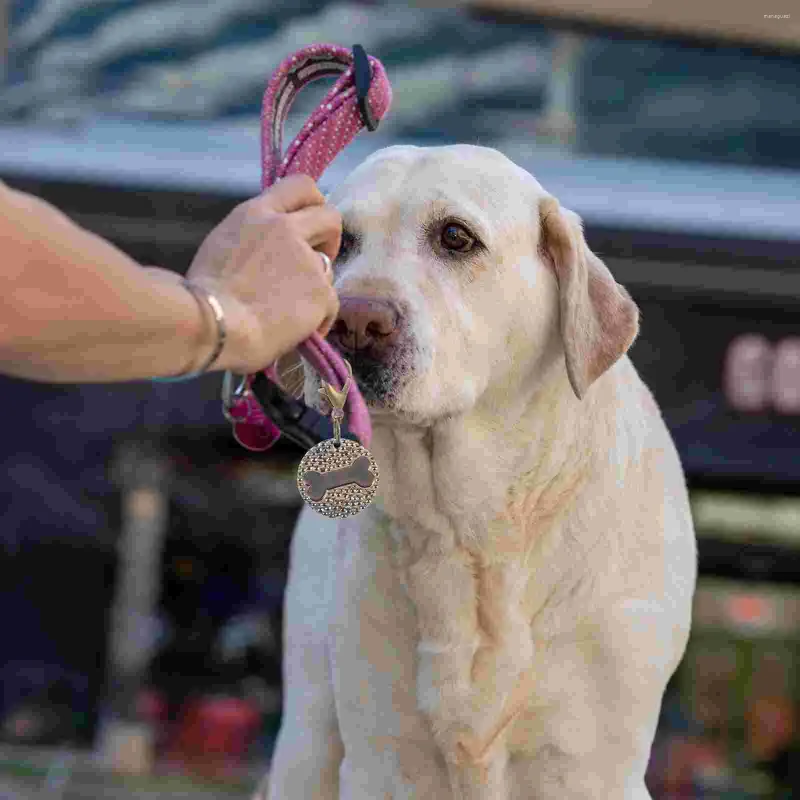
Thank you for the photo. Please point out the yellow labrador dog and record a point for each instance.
(502, 623)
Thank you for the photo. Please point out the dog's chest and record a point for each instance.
(445, 671)
(427, 649)
(373, 632)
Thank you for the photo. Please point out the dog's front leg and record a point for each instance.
(305, 765)
(309, 749)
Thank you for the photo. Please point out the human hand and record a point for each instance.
(260, 262)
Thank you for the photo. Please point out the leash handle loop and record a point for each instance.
(360, 97)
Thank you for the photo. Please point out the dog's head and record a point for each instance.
(458, 273)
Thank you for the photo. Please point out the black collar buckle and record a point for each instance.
(300, 423)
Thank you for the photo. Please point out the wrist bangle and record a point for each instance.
(201, 295)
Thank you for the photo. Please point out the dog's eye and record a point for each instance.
(457, 238)
(347, 246)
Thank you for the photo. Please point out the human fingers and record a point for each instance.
(320, 227)
(331, 312)
(290, 194)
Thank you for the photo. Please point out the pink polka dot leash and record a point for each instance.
(257, 408)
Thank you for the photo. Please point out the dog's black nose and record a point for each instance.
(365, 323)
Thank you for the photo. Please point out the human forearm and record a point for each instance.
(73, 308)
(77, 309)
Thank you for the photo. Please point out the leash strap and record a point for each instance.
(360, 98)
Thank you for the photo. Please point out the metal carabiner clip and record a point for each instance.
(229, 394)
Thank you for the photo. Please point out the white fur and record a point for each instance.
(502, 623)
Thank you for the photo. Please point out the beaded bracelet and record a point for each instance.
(201, 294)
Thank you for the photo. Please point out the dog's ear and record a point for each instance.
(599, 320)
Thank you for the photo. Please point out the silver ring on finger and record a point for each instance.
(326, 262)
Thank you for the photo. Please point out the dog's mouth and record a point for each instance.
(374, 378)
(380, 378)
(381, 386)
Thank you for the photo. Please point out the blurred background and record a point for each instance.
(145, 553)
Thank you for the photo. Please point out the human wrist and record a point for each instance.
(243, 348)
(192, 334)
(195, 332)
(242, 331)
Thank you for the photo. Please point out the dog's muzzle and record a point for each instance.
(370, 333)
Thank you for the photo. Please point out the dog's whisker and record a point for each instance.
(292, 370)
(294, 388)
(294, 381)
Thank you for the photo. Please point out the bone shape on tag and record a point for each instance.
(319, 482)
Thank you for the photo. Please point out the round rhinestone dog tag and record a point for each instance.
(338, 477)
